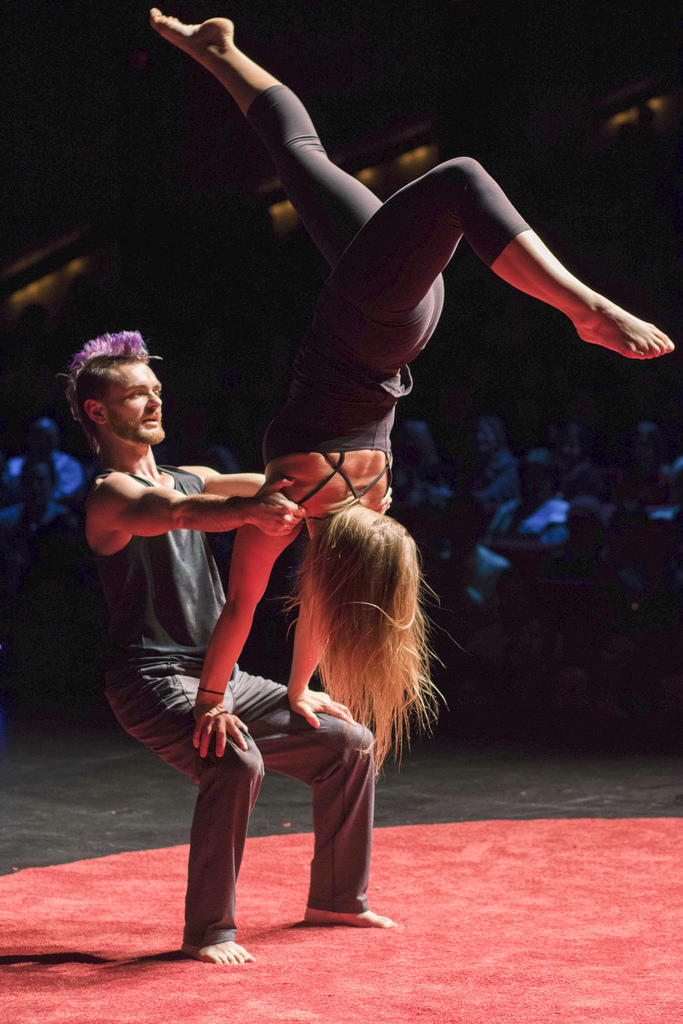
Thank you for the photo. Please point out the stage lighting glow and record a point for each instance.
(284, 218)
(50, 292)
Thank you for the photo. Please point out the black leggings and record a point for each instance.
(386, 258)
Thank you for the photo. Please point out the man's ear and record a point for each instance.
(95, 410)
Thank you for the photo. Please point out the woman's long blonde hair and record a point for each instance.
(362, 586)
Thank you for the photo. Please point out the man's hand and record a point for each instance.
(272, 512)
(216, 721)
(309, 702)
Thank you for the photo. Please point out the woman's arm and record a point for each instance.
(229, 485)
(253, 557)
(304, 663)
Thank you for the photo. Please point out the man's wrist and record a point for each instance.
(245, 510)
(241, 509)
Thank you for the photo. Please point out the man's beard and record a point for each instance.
(139, 433)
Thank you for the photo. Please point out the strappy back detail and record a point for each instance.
(338, 468)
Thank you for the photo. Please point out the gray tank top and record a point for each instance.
(163, 594)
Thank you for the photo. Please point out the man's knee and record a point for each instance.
(242, 766)
(350, 740)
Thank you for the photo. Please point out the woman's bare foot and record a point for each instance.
(216, 33)
(614, 328)
(221, 953)
(528, 265)
(212, 45)
(365, 920)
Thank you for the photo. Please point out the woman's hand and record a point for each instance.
(216, 721)
(383, 505)
(308, 702)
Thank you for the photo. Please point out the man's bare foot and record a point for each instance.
(221, 953)
(365, 920)
(614, 328)
(214, 35)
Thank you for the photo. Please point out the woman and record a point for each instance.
(360, 618)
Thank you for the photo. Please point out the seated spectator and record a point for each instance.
(495, 478)
(641, 554)
(673, 571)
(42, 442)
(581, 556)
(517, 656)
(419, 475)
(672, 509)
(644, 473)
(676, 483)
(540, 513)
(580, 471)
(36, 533)
(469, 570)
(5, 491)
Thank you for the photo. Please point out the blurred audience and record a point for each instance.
(494, 478)
(581, 471)
(42, 442)
(559, 577)
(644, 476)
(540, 512)
(37, 533)
(419, 476)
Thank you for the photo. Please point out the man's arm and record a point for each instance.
(120, 507)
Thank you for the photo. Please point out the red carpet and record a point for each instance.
(522, 922)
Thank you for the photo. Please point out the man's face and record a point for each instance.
(133, 404)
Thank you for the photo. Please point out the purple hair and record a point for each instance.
(89, 372)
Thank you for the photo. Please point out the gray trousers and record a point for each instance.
(155, 706)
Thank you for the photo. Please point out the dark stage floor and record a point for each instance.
(80, 790)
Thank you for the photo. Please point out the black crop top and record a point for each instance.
(334, 405)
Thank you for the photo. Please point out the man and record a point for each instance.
(146, 525)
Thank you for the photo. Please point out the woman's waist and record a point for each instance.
(319, 484)
(303, 427)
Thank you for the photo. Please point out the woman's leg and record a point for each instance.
(332, 204)
(391, 264)
(530, 267)
(398, 257)
(398, 249)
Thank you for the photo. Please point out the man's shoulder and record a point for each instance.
(188, 480)
(189, 476)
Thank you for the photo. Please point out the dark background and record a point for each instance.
(122, 154)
